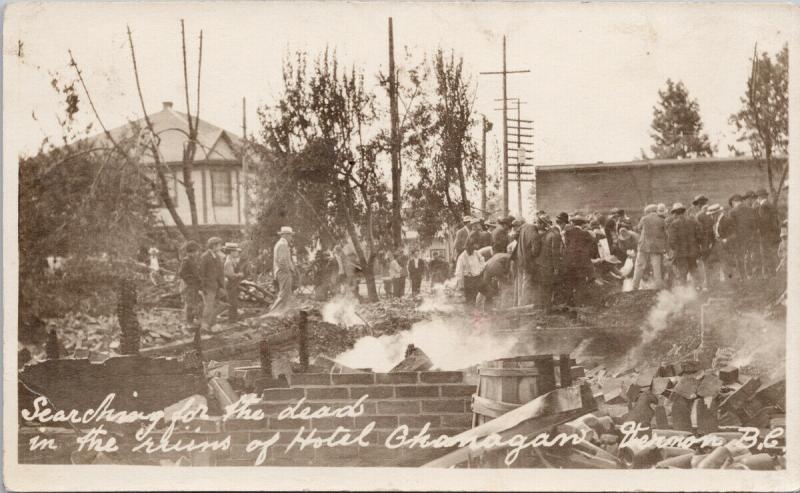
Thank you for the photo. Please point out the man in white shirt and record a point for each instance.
(469, 271)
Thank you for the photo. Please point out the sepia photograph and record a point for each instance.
(486, 245)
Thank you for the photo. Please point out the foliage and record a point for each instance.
(763, 120)
(318, 135)
(677, 127)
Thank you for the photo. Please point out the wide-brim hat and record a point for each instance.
(231, 246)
(616, 210)
(762, 192)
(214, 240)
(562, 217)
(517, 222)
(735, 198)
(650, 208)
(750, 194)
(286, 230)
(468, 219)
(699, 198)
(506, 220)
(713, 209)
(677, 207)
(578, 219)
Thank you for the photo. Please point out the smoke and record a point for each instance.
(341, 310)
(669, 303)
(439, 301)
(453, 343)
(758, 340)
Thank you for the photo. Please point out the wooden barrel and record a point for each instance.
(505, 384)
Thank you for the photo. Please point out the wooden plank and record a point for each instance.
(508, 372)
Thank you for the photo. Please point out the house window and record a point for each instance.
(221, 188)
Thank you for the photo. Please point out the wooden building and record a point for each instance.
(632, 185)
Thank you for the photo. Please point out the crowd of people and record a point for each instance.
(567, 259)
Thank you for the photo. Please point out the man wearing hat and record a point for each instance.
(233, 274)
(743, 245)
(579, 250)
(611, 226)
(462, 235)
(712, 245)
(684, 238)
(769, 230)
(652, 245)
(213, 283)
(189, 274)
(500, 234)
(548, 263)
(697, 205)
(528, 246)
(284, 271)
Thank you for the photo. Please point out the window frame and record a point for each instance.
(214, 174)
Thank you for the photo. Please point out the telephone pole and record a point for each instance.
(397, 235)
(522, 143)
(245, 166)
(485, 128)
(505, 73)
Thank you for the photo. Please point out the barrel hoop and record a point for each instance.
(489, 407)
(508, 372)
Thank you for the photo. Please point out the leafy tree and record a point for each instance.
(318, 135)
(677, 127)
(763, 120)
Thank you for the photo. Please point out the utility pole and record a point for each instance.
(485, 128)
(505, 73)
(397, 235)
(245, 166)
(519, 145)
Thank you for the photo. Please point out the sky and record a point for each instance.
(595, 69)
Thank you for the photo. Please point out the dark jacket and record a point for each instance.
(528, 246)
(610, 230)
(579, 250)
(497, 268)
(745, 219)
(769, 224)
(190, 274)
(415, 269)
(550, 257)
(684, 237)
(211, 272)
(499, 240)
(652, 234)
(706, 225)
(481, 239)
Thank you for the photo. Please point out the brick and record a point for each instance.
(332, 423)
(441, 377)
(417, 391)
(341, 452)
(271, 409)
(458, 390)
(327, 393)
(285, 436)
(288, 424)
(457, 421)
(283, 394)
(380, 421)
(398, 407)
(353, 378)
(376, 437)
(397, 377)
(299, 379)
(380, 456)
(238, 437)
(729, 375)
(444, 406)
(244, 424)
(299, 457)
(417, 422)
(374, 392)
(239, 452)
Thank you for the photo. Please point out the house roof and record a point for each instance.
(645, 162)
(215, 144)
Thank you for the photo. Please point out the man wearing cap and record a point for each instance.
(213, 283)
(579, 250)
(189, 274)
(745, 221)
(652, 245)
(528, 246)
(548, 263)
(769, 229)
(462, 235)
(500, 234)
(233, 274)
(284, 271)
(683, 236)
(697, 205)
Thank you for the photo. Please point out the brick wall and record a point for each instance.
(437, 398)
(632, 186)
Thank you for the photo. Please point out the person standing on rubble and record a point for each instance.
(611, 227)
(416, 269)
(548, 263)
(189, 274)
(284, 270)
(234, 273)
(652, 245)
(769, 229)
(579, 250)
(715, 258)
(395, 275)
(745, 223)
(462, 235)
(684, 238)
(213, 283)
(528, 248)
(469, 272)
